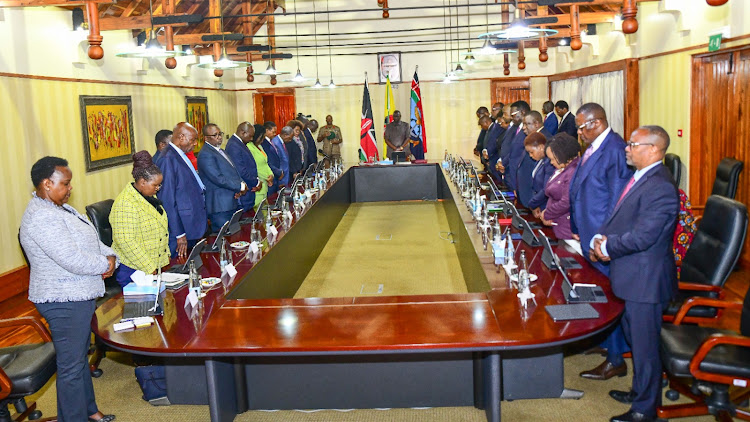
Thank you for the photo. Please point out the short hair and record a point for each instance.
(485, 118)
(534, 140)
(45, 167)
(522, 105)
(208, 125)
(144, 167)
(287, 130)
(564, 147)
(483, 109)
(593, 109)
(548, 106)
(562, 104)
(269, 125)
(259, 133)
(162, 136)
(535, 115)
(295, 123)
(657, 131)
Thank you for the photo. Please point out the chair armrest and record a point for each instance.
(29, 321)
(5, 385)
(706, 347)
(703, 301)
(697, 220)
(684, 285)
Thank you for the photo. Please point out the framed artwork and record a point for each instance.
(107, 125)
(389, 65)
(197, 115)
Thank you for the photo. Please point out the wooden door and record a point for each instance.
(508, 91)
(277, 107)
(719, 123)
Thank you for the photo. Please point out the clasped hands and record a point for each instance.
(112, 260)
(596, 254)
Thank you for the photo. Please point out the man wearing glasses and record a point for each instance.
(594, 190)
(223, 183)
(512, 149)
(636, 239)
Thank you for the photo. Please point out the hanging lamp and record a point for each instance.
(151, 49)
(224, 62)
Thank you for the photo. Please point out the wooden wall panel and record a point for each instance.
(508, 91)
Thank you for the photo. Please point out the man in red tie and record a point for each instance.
(636, 239)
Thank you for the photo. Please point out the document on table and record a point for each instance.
(576, 245)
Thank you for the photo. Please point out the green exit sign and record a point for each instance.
(714, 42)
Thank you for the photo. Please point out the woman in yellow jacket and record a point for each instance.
(139, 223)
(261, 160)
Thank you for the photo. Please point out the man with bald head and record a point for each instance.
(636, 241)
(601, 175)
(182, 192)
(243, 161)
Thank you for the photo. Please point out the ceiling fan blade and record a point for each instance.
(245, 48)
(276, 56)
(225, 37)
(542, 20)
(170, 20)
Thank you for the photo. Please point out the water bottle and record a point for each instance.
(193, 280)
(523, 275)
(223, 256)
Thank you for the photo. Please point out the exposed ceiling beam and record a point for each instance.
(132, 22)
(34, 3)
(131, 7)
(585, 19)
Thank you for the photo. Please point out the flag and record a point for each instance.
(367, 132)
(417, 135)
(390, 107)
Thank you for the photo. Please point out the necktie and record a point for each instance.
(226, 157)
(587, 154)
(625, 191)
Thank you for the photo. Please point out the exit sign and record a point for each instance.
(714, 42)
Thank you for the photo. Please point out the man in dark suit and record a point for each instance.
(492, 139)
(532, 123)
(162, 140)
(567, 120)
(550, 120)
(310, 127)
(601, 175)
(516, 151)
(244, 162)
(182, 192)
(636, 239)
(273, 155)
(481, 111)
(224, 186)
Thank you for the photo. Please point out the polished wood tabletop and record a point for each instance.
(492, 320)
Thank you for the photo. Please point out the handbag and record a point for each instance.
(153, 381)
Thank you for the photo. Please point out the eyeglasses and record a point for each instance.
(220, 134)
(586, 123)
(515, 112)
(635, 144)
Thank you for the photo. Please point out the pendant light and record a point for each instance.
(317, 84)
(519, 30)
(224, 62)
(152, 49)
(298, 77)
(330, 57)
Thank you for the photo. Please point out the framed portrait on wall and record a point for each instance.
(389, 65)
(196, 109)
(107, 125)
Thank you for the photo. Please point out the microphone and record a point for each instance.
(320, 152)
(260, 210)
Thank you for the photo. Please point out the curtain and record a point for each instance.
(605, 89)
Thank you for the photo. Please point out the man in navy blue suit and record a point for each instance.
(532, 122)
(224, 186)
(567, 120)
(182, 192)
(162, 140)
(310, 127)
(636, 239)
(273, 155)
(550, 120)
(481, 111)
(516, 150)
(601, 175)
(492, 139)
(243, 160)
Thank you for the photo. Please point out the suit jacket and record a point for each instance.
(283, 159)
(295, 158)
(246, 167)
(140, 235)
(551, 123)
(274, 162)
(182, 198)
(557, 192)
(568, 125)
(480, 141)
(491, 143)
(639, 235)
(510, 132)
(517, 152)
(539, 182)
(221, 178)
(595, 188)
(312, 150)
(524, 182)
(156, 156)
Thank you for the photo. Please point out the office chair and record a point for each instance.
(711, 257)
(24, 369)
(673, 163)
(98, 213)
(711, 360)
(727, 177)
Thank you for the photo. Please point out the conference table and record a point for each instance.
(250, 345)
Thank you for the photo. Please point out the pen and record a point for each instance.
(583, 285)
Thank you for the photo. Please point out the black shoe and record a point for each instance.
(625, 397)
(606, 371)
(631, 416)
(105, 418)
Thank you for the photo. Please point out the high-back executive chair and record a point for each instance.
(25, 369)
(673, 163)
(98, 213)
(727, 177)
(711, 360)
(711, 257)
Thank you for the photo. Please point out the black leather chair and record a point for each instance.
(712, 360)
(24, 369)
(711, 257)
(727, 177)
(98, 213)
(673, 163)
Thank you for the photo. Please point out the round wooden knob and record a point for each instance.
(506, 72)
(96, 52)
(386, 15)
(543, 57)
(273, 80)
(521, 65)
(576, 43)
(170, 63)
(716, 2)
(218, 73)
(250, 78)
(629, 26)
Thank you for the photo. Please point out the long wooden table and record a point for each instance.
(271, 351)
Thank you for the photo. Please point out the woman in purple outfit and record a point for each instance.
(563, 151)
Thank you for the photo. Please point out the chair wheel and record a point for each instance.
(35, 415)
(96, 373)
(672, 395)
(664, 382)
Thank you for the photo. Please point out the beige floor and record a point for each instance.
(399, 245)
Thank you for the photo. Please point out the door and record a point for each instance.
(278, 107)
(508, 91)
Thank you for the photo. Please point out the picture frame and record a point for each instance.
(107, 128)
(196, 113)
(389, 64)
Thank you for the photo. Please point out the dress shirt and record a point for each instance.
(189, 164)
(226, 157)
(636, 176)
